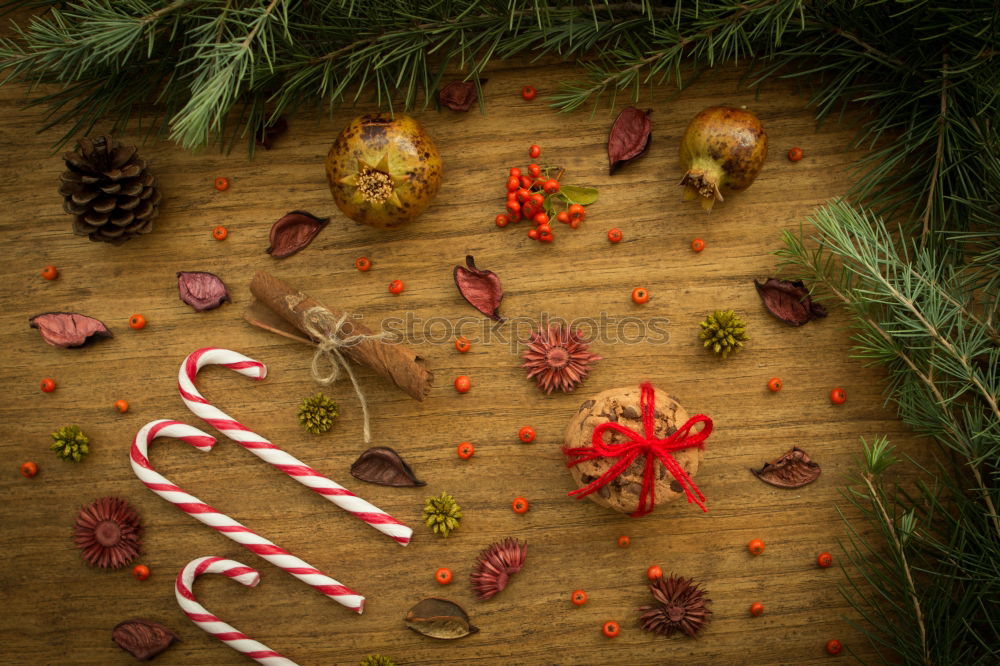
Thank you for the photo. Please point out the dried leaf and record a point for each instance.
(789, 301)
(268, 133)
(792, 470)
(294, 232)
(202, 290)
(143, 639)
(384, 466)
(439, 618)
(459, 95)
(629, 137)
(482, 289)
(68, 329)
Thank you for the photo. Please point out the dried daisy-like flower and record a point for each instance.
(495, 564)
(442, 514)
(680, 607)
(107, 533)
(557, 358)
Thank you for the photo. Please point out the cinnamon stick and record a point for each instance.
(396, 362)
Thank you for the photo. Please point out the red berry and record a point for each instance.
(654, 572)
(577, 211)
(624, 541)
(140, 571)
(523, 194)
(615, 235)
(533, 233)
(551, 186)
(756, 609)
(640, 295)
(610, 629)
(513, 183)
(756, 547)
(48, 385)
(529, 209)
(534, 170)
(834, 647)
(221, 184)
(795, 154)
(514, 210)
(514, 171)
(502, 220)
(463, 384)
(579, 597)
(220, 233)
(465, 450)
(137, 322)
(520, 505)
(50, 272)
(526, 434)
(697, 245)
(545, 234)
(525, 182)
(396, 287)
(573, 224)
(528, 93)
(838, 396)
(540, 219)
(462, 344)
(824, 560)
(563, 217)
(363, 264)
(121, 406)
(534, 151)
(443, 575)
(29, 469)
(774, 384)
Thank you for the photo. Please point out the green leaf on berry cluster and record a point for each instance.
(578, 195)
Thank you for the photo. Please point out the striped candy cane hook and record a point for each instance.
(194, 507)
(267, 451)
(213, 625)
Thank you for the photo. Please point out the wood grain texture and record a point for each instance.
(57, 610)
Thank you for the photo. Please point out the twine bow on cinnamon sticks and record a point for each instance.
(282, 309)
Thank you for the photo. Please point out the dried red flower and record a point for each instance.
(680, 607)
(495, 564)
(557, 358)
(107, 533)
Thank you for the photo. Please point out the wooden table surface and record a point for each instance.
(58, 610)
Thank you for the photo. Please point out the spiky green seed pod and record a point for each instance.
(723, 332)
(70, 443)
(377, 660)
(442, 514)
(317, 414)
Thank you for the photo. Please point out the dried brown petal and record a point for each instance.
(459, 95)
(482, 289)
(384, 466)
(789, 301)
(629, 137)
(143, 639)
(294, 232)
(68, 329)
(268, 133)
(439, 618)
(792, 470)
(202, 290)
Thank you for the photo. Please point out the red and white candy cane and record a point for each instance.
(213, 625)
(220, 522)
(267, 451)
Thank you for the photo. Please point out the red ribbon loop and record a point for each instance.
(647, 445)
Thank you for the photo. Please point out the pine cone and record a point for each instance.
(723, 332)
(70, 443)
(377, 660)
(442, 514)
(108, 191)
(317, 414)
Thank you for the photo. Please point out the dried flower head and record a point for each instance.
(377, 660)
(317, 414)
(680, 607)
(107, 532)
(442, 514)
(70, 443)
(723, 331)
(557, 358)
(495, 564)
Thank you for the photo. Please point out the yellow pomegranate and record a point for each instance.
(383, 171)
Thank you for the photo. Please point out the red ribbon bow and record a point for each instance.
(648, 445)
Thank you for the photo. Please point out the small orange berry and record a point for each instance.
(624, 541)
(824, 560)
(774, 384)
(29, 469)
(463, 384)
(137, 321)
(838, 396)
(48, 385)
(534, 151)
(465, 450)
(756, 609)
(520, 505)
(615, 235)
(526, 434)
(396, 287)
(579, 597)
(610, 629)
(794, 154)
(121, 406)
(462, 344)
(697, 245)
(140, 571)
(362, 263)
(756, 547)
(654, 572)
(640, 295)
(834, 647)
(220, 233)
(50, 272)
(222, 184)
(443, 575)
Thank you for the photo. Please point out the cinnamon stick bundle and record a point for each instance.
(281, 309)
